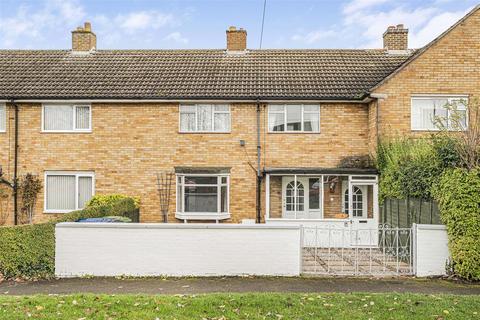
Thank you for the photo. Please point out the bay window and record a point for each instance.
(66, 191)
(205, 118)
(66, 118)
(202, 196)
(293, 118)
(427, 110)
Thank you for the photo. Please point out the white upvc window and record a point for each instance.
(426, 110)
(204, 195)
(294, 118)
(3, 117)
(66, 118)
(67, 191)
(205, 118)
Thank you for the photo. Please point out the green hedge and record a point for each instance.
(458, 194)
(28, 251)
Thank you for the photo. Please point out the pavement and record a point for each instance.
(237, 284)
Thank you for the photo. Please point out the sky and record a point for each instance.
(162, 24)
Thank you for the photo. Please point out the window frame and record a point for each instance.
(4, 107)
(284, 112)
(74, 118)
(77, 174)
(449, 97)
(180, 207)
(229, 112)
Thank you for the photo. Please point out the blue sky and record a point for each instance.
(149, 24)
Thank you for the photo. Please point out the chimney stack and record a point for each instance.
(236, 40)
(395, 38)
(83, 39)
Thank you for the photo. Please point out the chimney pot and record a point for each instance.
(395, 38)
(83, 39)
(236, 39)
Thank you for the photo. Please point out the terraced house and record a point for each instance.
(276, 136)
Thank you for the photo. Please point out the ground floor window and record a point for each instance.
(202, 193)
(66, 191)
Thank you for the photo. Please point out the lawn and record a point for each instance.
(242, 306)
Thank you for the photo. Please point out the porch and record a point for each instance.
(341, 202)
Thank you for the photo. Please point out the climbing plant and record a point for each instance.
(29, 188)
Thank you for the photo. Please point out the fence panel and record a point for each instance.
(403, 213)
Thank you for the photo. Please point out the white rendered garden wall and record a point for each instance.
(430, 250)
(112, 249)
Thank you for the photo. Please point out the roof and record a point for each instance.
(195, 74)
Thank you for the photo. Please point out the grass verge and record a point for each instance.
(242, 306)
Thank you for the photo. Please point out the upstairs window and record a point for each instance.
(425, 111)
(66, 118)
(294, 118)
(3, 118)
(67, 191)
(205, 118)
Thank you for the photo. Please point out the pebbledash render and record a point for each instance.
(276, 136)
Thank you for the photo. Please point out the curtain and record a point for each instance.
(60, 192)
(82, 117)
(58, 117)
(84, 191)
(204, 120)
(3, 118)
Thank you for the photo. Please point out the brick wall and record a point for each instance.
(130, 143)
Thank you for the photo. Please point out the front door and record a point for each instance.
(362, 208)
(304, 201)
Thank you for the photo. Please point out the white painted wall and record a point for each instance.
(112, 249)
(430, 250)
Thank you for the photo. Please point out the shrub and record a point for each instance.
(458, 195)
(408, 168)
(29, 251)
(109, 199)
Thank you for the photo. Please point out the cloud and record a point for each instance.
(314, 36)
(143, 20)
(176, 37)
(356, 5)
(34, 23)
(363, 22)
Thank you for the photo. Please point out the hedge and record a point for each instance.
(28, 251)
(458, 194)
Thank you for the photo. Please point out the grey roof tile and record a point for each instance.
(194, 74)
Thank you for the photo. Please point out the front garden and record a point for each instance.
(445, 167)
(28, 251)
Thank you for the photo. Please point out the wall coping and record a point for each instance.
(430, 226)
(120, 225)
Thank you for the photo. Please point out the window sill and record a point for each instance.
(201, 216)
(66, 131)
(294, 132)
(204, 132)
(58, 211)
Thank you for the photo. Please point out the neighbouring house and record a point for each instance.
(277, 136)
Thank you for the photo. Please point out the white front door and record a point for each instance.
(305, 201)
(362, 208)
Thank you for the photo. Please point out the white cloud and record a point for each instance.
(314, 36)
(143, 20)
(33, 23)
(356, 5)
(177, 37)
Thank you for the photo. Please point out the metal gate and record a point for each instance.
(382, 251)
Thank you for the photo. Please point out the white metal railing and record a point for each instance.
(353, 251)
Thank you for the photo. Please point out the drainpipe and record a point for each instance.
(15, 167)
(259, 172)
